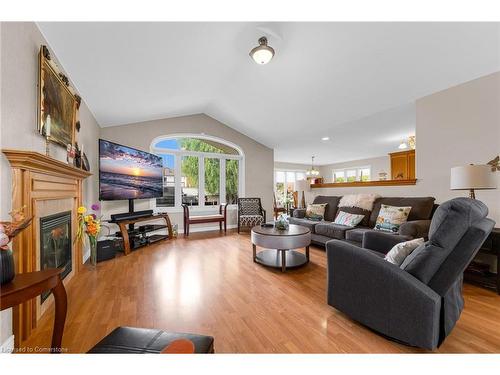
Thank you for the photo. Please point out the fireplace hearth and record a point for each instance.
(55, 244)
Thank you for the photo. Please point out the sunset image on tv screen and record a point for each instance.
(127, 173)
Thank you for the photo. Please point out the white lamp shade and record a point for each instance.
(302, 185)
(472, 177)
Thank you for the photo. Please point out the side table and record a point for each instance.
(487, 279)
(26, 286)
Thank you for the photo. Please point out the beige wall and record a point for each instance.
(380, 164)
(20, 43)
(457, 126)
(291, 166)
(259, 159)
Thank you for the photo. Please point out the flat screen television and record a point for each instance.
(128, 173)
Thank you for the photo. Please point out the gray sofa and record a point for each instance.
(417, 225)
(419, 302)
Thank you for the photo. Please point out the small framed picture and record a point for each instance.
(85, 163)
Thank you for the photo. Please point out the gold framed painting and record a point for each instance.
(56, 101)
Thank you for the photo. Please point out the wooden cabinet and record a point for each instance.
(403, 165)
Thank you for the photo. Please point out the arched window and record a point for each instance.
(199, 170)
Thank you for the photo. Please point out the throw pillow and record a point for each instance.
(346, 218)
(363, 201)
(390, 218)
(316, 211)
(357, 211)
(400, 251)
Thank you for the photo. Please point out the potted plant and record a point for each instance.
(89, 225)
(9, 230)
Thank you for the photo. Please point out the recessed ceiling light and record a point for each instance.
(325, 138)
(263, 53)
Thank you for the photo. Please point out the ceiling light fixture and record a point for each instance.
(403, 146)
(263, 53)
(325, 138)
(313, 172)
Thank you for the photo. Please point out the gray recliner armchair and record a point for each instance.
(419, 302)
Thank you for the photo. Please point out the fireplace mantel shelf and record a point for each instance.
(38, 162)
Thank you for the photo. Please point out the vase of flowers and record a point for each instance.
(9, 230)
(89, 226)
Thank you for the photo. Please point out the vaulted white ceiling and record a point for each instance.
(353, 82)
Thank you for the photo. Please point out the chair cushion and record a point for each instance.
(251, 220)
(331, 208)
(311, 224)
(421, 207)
(206, 217)
(332, 230)
(128, 340)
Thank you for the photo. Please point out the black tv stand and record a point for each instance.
(131, 214)
(133, 239)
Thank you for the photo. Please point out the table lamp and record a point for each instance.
(302, 185)
(472, 177)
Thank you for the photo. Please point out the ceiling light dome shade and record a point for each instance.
(263, 53)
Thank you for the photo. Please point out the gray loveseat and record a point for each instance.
(420, 301)
(417, 225)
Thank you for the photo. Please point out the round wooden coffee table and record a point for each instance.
(279, 246)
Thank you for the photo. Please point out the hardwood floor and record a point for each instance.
(209, 284)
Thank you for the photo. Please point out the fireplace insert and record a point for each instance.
(56, 244)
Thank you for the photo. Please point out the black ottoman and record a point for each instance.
(129, 340)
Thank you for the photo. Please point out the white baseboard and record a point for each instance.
(7, 346)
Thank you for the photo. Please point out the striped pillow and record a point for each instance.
(350, 220)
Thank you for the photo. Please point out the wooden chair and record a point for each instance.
(295, 199)
(277, 209)
(220, 218)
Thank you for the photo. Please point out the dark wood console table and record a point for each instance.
(124, 230)
(26, 286)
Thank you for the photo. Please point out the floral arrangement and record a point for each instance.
(89, 224)
(10, 229)
(289, 198)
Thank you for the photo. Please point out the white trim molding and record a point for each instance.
(200, 136)
(178, 154)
